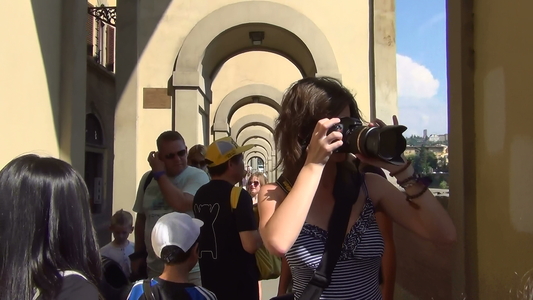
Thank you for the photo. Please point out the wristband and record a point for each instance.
(158, 174)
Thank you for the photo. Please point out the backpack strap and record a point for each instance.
(147, 289)
(365, 189)
(148, 179)
(235, 194)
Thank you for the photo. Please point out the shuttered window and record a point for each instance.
(110, 48)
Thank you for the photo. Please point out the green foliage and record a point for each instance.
(414, 140)
(424, 161)
(442, 165)
(443, 184)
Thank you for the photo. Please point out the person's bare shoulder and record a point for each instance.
(272, 192)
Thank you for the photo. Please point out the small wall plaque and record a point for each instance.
(156, 98)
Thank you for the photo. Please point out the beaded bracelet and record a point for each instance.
(413, 179)
(411, 197)
(405, 166)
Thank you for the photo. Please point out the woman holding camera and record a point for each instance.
(295, 224)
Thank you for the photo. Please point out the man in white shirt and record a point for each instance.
(173, 188)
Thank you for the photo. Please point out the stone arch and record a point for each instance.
(256, 131)
(261, 142)
(262, 148)
(196, 45)
(270, 162)
(258, 156)
(266, 94)
(223, 34)
(272, 159)
(269, 140)
(257, 153)
(252, 120)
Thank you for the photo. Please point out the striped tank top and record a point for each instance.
(356, 275)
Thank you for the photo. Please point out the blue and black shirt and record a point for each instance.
(163, 289)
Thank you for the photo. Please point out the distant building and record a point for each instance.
(438, 137)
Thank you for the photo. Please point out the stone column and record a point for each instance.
(220, 130)
(254, 163)
(186, 115)
(126, 114)
(73, 81)
(269, 168)
(385, 100)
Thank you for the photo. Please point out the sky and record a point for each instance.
(421, 65)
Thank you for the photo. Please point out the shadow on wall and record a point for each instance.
(44, 23)
(127, 19)
(424, 269)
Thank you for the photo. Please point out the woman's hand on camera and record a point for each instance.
(323, 144)
(378, 162)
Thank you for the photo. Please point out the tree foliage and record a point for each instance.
(424, 161)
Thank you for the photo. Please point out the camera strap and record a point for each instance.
(284, 184)
(345, 191)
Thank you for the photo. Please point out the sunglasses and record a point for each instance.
(254, 183)
(180, 153)
(198, 163)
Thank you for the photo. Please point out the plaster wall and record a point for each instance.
(490, 142)
(43, 95)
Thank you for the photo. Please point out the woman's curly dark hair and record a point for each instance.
(303, 105)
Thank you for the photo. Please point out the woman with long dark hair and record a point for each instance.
(295, 224)
(48, 248)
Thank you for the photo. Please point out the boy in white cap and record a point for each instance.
(175, 241)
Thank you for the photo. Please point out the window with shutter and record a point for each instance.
(110, 48)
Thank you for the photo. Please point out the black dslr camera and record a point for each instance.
(386, 143)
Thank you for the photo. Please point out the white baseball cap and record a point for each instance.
(175, 229)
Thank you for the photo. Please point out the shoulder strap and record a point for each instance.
(64, 274)
(147, 289)
(235, 194)
(72, 272)
(345, 192)
(365, 189)
(147, 181)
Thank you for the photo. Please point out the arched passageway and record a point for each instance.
(219, 36)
